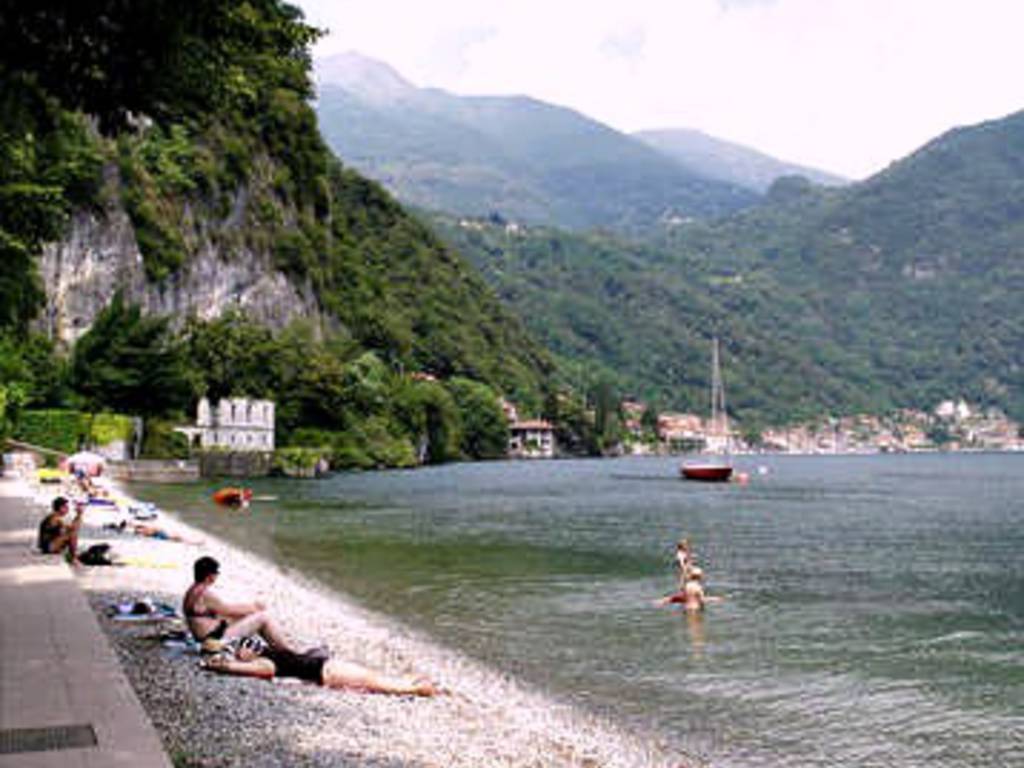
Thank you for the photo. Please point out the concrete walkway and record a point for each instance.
(64, 700)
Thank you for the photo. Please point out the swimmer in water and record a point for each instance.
(691, 596)
(683, 560)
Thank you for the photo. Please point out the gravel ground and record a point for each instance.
(486, 719)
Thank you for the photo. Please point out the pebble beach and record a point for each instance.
(484, 718)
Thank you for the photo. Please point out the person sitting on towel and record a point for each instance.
(209, 617)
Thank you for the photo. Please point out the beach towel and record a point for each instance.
(144, 610)
(143, 511)
(145, 562)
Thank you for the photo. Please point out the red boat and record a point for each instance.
(232, 497)
(708, 472)
(716, 469)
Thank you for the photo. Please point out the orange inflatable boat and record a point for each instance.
(232, 497)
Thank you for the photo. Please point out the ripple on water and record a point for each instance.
(875, 611)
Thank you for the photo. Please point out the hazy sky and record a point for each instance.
(843, 85)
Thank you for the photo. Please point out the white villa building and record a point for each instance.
(234, 424)
(532, 439)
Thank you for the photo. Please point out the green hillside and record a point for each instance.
(900, 291)
(522, 158)
(642, 317)
(194, 119)
(917, 269)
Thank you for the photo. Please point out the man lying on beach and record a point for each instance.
(56, 535)
(691, 596)
(150, 531)
(209, 617)
(254, 659)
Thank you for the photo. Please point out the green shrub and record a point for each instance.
(369, 444)
(311, 437)
(68, 431)
(347, 454)
(293, 253)
(384, 447)
(58, 430)
(171, 158)
(159, 237)
(298, 462)
(160, 441)
(484, 426)
(107, 428)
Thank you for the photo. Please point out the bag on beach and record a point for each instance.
(97, 554)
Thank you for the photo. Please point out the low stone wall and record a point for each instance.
(235, 463)
(154, 470)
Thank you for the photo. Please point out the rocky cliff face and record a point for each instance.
(99, 255)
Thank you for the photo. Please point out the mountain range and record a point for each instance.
(729, 162)
(530, 161)
(892, 292)
(515, 156)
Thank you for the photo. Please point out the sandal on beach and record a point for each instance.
(214, 663)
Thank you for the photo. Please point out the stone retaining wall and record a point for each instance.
(235, 463)
(154, 470)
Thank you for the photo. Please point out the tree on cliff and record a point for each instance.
(130, 363)
(167, 59)
(484, 426)
(171, 60)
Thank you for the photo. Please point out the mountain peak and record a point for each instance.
(727, 161)
(368, 78)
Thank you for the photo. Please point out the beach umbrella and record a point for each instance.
(85, 461)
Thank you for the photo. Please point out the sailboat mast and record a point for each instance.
(723, 413)
(719, 416)
(715, 383)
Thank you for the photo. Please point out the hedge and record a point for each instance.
(70, 431)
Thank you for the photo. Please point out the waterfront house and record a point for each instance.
(235, 424)
(531, 439)
(682, 431)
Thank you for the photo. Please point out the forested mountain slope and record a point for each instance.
(899, 291)
(519, 157)
(641, 318)
(917, 271)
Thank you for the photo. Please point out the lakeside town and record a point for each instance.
(951, 426)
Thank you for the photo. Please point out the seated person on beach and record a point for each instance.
(255, 659)
(209, 617)
(56, 535)
(691, 596)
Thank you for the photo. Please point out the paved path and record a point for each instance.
(64, 700)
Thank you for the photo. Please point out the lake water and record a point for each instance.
(874, 612)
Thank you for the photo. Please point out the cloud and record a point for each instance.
(844, 85)
(728, 5)
(449, 55)
(626, 43)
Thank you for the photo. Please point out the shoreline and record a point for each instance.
(204, 719)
